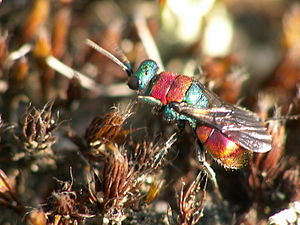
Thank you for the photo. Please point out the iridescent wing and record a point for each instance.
(238, 124)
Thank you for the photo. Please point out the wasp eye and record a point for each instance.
(133, 83)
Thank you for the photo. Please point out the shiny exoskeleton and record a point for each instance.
(229, 133)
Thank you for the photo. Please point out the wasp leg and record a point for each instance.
(181, 126)
(150, 100)
(206, 168)
(165, 149)
(204, 165)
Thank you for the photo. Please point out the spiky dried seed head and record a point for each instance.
(108, 128)
(35, 131)
(190, 203)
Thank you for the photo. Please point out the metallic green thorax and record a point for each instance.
(167, 87)
(194, 97)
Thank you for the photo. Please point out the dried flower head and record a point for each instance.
(150, 155)
(36, 128)
(63, 202)
(190, 203)
(65, 207)
(120, 180)
(108, 128)
(34, 133)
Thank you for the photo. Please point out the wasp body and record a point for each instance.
(229, 133)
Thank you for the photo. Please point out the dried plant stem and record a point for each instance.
(86, 82)
(19, 53)
(147, 39)
(68, 72)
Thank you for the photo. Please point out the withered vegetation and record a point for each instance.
(76, 148)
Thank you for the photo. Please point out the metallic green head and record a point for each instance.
(146, 71)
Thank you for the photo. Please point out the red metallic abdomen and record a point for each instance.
(224, 151)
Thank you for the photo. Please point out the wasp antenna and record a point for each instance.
(124, 60)
(125, 66)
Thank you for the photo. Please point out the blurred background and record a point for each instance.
(248, 52)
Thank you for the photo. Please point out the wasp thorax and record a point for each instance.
(146, 71)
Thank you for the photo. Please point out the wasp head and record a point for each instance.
(138, 80)
(146, 71)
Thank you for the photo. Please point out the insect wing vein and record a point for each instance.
(238, 124)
